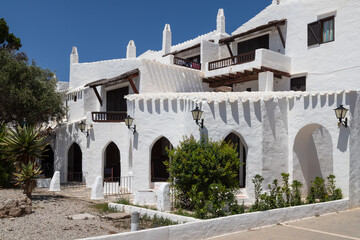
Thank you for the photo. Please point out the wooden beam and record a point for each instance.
(231, 75)
(284, 74)
(97, 95)
(247, 72)
(234, 81)
(281, 35)
(133, 85)
(229, 49)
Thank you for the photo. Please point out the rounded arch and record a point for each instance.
(47, 162)
(158, 156)
(312, 154)
(111, 162)
(241, 148)
(75, 163)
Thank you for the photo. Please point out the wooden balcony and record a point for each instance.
(187, 63)
(235, 60)
(108, 116)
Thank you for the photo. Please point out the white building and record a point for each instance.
(307, 46)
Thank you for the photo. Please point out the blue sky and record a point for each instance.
(102, 29)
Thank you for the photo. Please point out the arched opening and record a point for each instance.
(158, 156)
(312, 154)
(47, 162)
(75, 164)
(239, 145)
(112, 163)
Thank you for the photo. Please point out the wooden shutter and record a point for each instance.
(314, 33)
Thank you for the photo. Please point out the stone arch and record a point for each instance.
(241, 148)
(111, 162)
(47, 162)
(158, 155)
(74, 163)
(312, 154)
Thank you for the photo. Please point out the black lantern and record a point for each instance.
(128, 122)
(340, 113)
(82, 127)
(197, 113)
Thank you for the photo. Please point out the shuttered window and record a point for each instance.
(321, 31)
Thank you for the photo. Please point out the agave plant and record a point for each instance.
(23, 145)
(26, 177)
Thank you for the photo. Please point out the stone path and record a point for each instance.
(335, 226)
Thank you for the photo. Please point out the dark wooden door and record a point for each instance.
(253, 44)
(115, 100)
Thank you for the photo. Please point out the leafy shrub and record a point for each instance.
(204, 175)
(26, 177)
(333, 192)
(296, 193)
(317, 191)
(6, 166)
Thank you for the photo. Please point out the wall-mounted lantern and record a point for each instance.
(340, 113)
(128, 122)
(82, 126)
(197, 113)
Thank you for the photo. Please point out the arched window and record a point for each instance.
(158, 156)
(75, 164)
(112, 163)
(241, 150)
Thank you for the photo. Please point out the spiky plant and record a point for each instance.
(23, 145)
(26, 177)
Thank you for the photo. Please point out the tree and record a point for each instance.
(8, 40)
(27, 93)
(6, 167)
(204, 175)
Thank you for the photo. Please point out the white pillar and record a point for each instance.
(166, 44)
(55, 182)
(97, 190)
(266, 81)
(74, 57)
(220, 21)
(131, 50)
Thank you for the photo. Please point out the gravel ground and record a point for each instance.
(49, 218)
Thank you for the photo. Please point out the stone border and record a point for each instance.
(203, 229)
(152, 213)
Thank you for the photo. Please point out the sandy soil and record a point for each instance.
(50, 218)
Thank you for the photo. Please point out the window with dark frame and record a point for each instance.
(298, 84)
(321, 31)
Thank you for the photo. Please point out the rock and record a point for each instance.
(117, 216)
(15, 212)
(27, 210)
(10, 203)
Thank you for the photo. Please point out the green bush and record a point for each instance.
(6, 166)
(204, 176)
(317, 191)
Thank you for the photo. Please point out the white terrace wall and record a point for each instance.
(329, 66)
(267, 122)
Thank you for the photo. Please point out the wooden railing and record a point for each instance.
(108, 116)
(187, 63)
(239, 59)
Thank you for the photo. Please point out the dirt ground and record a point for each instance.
(50, 217)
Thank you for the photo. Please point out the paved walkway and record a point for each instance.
(335, 226)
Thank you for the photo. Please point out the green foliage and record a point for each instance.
(203, 174)
(26, 177)
(27, 93)
(154, 222)
(317, 191)
(7, 39)
(103, 208)
(285, 187)
(257, 181)
(333, 192)
(124, 201)
(296, 193)
(22, 145)
(6, 167)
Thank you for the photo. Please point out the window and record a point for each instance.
(298, 84)
(321, 31)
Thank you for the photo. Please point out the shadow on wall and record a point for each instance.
(312, 154)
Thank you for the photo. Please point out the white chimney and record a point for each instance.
(131, 50)
(74, 57)
(220, 21)
(166, 44)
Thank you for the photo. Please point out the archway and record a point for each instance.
(312, 154)
(75, 163)
(158, 156)
(47, 162)
(241, 150)
(112, 163)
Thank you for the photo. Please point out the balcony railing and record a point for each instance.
(108, 116)
(239, 59)
(186, 63)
